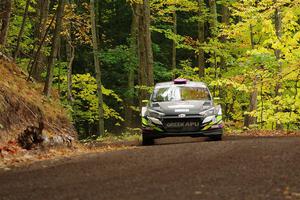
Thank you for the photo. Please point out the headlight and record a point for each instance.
(211, 118)
(155, 114)
(211, 114)
(212, 111)
(208, 112)
(155, 120)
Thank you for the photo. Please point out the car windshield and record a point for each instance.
(180, 93)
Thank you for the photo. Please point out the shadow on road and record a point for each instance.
(177, 141)
(186, 140)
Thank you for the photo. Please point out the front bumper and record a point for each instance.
(210, 128)
(203, 133)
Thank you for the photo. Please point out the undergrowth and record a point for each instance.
(110, 137)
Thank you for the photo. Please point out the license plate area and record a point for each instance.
(182, 125)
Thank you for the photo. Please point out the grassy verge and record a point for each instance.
(112, 138)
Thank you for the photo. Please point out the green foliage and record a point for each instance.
(244, 63)
(85, 105)
(110, 137)
(161, 73)
(15, 24)
(232, 61)
(120, 56)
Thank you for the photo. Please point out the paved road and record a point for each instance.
(236, 168)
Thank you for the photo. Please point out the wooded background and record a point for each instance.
(103, 57)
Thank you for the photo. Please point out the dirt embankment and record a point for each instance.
(22, 104)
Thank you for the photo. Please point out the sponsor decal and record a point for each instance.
(182, 124)
(182, 110)
(181, 106)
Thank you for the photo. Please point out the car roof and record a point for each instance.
(188, 83)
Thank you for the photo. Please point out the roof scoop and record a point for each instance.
(180, 81)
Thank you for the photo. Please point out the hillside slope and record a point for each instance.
(22, 104)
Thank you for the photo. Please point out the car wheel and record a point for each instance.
(147, 140)
(216, 137)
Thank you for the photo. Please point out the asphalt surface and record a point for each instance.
(176, 168)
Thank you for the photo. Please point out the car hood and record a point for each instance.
(181, 107)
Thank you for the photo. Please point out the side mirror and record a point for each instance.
(145, 101)
(143, 111)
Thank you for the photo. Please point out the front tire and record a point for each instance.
(216, 137)
(147, 140)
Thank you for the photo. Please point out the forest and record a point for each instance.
(102, 58)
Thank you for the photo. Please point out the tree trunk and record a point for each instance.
(213, 29)
(54, 49)
(174, 42)
(278, 28)
(252, 36)
(16, 54)
(225, 21)
(41, 28)
(97, 69)
(6, 9)
(70, 57)
(213, 18)
(144, 47)
(201, 39)
(59, 60)
(131, 73)
(148, 44)
(38, 51)
(225, 14)
(70, 52)
(249, 120)
(223, 66)
(143, 76)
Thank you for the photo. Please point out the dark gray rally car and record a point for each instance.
(181, 108)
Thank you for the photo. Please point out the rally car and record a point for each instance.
(181, 108)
